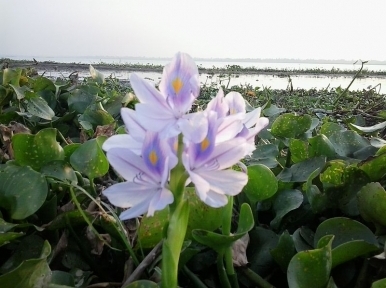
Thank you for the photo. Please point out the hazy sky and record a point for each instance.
(323, 29)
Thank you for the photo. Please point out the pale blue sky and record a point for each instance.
(329, 29)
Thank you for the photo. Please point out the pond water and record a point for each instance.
(220, 63)
(269, 81)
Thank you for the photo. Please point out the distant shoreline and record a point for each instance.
(231, 70)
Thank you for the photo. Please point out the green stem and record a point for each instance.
(226, 230)
(172, 245)
(92, 186)
(178, 222)
(195, 280)
(256, 278)
(349, 85)
(221, 272)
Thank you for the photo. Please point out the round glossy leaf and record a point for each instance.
(59, 169)
(352, 239)
(348, 142)
(22, 191)
(36, 272)
(284, 251)
(262, 183)
(320, 145)
(81, 98)
(311, 268)
(345, 230)
(372, 204)
(90, 160)
(262, 241)
(36, 150)
(266, 155)
(290, 126)
(333, 175)
(96, 117)
(285, 202)
(374, 167)
(299, 150)
(330, 128)
(300, 172)
(69, 149)
(37, 106)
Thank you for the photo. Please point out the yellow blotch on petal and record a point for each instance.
(205, 144)
(153, 157)
(177, 85)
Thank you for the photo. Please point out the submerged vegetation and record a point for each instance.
(311, 215)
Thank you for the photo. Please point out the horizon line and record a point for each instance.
(246, 59)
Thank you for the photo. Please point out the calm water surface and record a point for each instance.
(269, 81)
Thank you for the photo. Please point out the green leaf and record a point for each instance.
(262, 241)
(37, 106)
(20, 91)
(7, 237)
(320, 145)
(300, 172)
(5, 226)
(81, 98)
(372, 204)
(22, 191)
(369, 129)
(290, 126)
(273, 110)
(89, 159)
(43, 84)
(96, 75)
(262, 183)
(333, 174)
(96, 117)
(317, 200)
(285, 202)
(299, 150)
(12, 76)
(141, 284)
(284, 251)
(61, 279)
(59, 169)
(352, 239)
(219, 242)
(311, 268)
(374, 167)
(303, 239)
(348, 142)
(36, 150)
(266, 155)
(379, 284)
(330, 128)
(32, 273)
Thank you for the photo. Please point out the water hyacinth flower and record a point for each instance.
(146, 187)
(207, 164)
(213, 141)
(163, 110)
